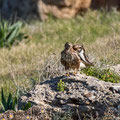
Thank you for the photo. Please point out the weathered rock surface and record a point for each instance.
(34, 113)
(116, 68)
(83, 93)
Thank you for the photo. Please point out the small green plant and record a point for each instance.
(61, 86)
(10, 33)
(9, 103)
(102, 74)
(27, 106)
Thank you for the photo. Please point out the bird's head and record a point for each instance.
(78, 48)
(68, 45)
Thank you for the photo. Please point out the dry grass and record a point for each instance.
(106, 50)
(20, 64)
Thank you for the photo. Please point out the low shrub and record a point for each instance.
(61, 86)
(102, 74)
(27, 106)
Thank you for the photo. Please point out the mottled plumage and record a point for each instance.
(81, 52)
(73, 57)
(70, 58)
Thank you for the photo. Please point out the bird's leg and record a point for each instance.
(80, 71)
(67, 74)
(75, 72)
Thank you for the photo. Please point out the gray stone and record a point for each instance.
(82, 92)
(85, 108)
(115, 88)
(115, 68)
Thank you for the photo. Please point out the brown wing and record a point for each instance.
(70, 60)
(64, 61)
(75, 61)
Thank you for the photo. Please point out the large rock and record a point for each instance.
(62, 8)
(34, 8)
(84, 97)
(26, 9)
(41, 8)
(83, 94)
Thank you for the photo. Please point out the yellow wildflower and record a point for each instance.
(3, 118)
(11, 116)
(27, 117)
(42, 111)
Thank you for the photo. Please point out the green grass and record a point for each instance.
(102, 74)
(97, 30)
(89, 28)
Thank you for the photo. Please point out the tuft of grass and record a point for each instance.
(106, 50)
(102, 74)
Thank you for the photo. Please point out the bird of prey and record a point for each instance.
(70, 58)
(81, 52)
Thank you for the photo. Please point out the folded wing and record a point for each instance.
(84, 58)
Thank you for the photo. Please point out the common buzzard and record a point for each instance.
(73, 57)
(81, 52)
(70, 58)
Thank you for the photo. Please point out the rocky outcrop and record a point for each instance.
(83, 93)
(84, 97)
(41, 8)
(26, 9)
(62, 8)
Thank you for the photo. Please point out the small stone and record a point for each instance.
(88, 94)
(87, 103)
(84, 108)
